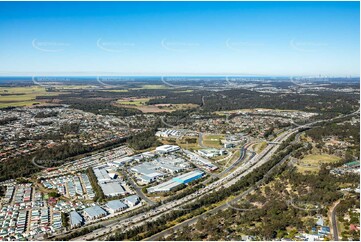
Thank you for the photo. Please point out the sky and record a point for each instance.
(180, 38)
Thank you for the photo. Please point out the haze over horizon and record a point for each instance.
(180, 38)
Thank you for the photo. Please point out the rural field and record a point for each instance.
(141, 104)
(151, 87)
(213, 140)
(22, 96)
(312, 163)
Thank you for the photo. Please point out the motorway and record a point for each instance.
(214, 210)
(140, 219)
(242, 195)
(239, 160)
(247, 167)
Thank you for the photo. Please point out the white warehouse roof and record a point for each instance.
(112, 188)
(75, 218)
(95, 211)
(116, 205)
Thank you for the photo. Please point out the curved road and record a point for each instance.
(334, 220)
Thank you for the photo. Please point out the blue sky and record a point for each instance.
(266, 38)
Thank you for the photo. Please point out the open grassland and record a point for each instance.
(74, 87)
(183, 91)
(141, 104)
(22, 96)
(260, 146)
(113, 90)
(17, 104)
(182, 143)
(134, 102)
(213, 140)
(149, 86)
(312, 163)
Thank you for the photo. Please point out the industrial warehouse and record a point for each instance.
(176, 182)
(110, 186)
(158, 168)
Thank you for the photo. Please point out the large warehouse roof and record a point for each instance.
(101, 173)
(116, 205)
(95, 211)
(75, 218)
(165, 186)
(190, 174)
(112, 188)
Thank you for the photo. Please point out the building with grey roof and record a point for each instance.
(123, 160)
(112, 188)
(165, 186)
(147, 169)
(167, 148)
(131, 201)
(75, 219)
(146, 179)
(101, 174)
(176, 182)
(116, 206)
(94, 212)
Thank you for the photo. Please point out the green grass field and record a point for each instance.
(150, 87)
(260, 146)
(135, 102)
(74, 87)
(22, 96)
(114, 90)
(140, 104)
(213, 140)
(311, 163)
(184, 91)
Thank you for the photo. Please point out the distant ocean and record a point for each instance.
(93, 79)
